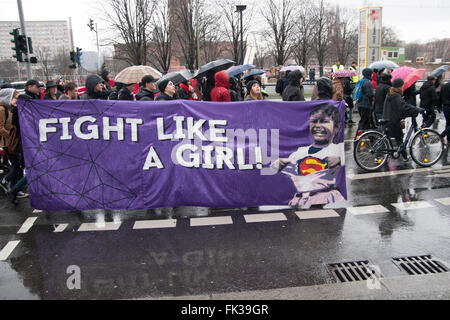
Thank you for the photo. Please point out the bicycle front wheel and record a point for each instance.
(371, 150)
(426, 147)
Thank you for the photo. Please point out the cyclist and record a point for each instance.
(396, 109)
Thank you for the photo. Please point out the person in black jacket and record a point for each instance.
(106, 76)
(167, 89)
(234, 89)
(294, 90)
(380, 94)
(410, 95)
(396, 109)
(95, 88)
(126, 93)
(184, 92)
(323, 89)
(428, 100)
(282, 83)
(365, 104)
(348, 91)
(32, 90)
(209, 85)
(445, 102)
(146, 91)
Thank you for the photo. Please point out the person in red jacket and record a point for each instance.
(220, 92)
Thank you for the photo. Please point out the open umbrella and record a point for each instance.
(134, 74)
(239, 69)
(217, 65)
(344, 74)
(439, 71)
(176, 77)
(292, 68)
(256, 72)
(408, 74)
(383, 64)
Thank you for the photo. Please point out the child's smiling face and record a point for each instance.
(322, 129)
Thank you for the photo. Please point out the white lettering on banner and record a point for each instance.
(91, 132)
(152, 160)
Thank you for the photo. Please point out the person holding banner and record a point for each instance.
(313, 169)
(167, 89)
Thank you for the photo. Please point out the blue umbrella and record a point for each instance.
(439, 71)
(239, 69)
(256, 72)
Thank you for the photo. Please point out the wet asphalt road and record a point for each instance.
(189, 255)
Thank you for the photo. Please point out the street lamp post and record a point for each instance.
(240, 8)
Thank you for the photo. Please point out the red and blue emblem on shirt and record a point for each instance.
(310, 165)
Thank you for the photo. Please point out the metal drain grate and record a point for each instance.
(418, 265)
(352, 271)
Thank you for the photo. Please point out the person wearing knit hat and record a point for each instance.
(253, 91)
(396, 109)
(167, 89)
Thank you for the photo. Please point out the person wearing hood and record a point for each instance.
(167, 89)
(365, 104)
(8, 106)
(51, 91)
(220, 92)
(294, 91)
(234, 89)
(32, 91)
(338, 89)
(410, 94)
(147, 89)
(380, 94)
(396, 109)
(323, 89)
(95, 88)
(254, 91)
(428, 100)
(106, 76)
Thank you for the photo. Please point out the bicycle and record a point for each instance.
(373, 148)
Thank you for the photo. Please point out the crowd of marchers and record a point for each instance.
(375, 96)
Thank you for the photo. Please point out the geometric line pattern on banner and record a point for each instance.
(98, 177)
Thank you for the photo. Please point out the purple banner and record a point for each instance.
(92, 154)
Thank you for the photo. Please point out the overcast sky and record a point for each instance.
(412, 19)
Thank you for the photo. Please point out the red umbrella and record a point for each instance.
(408, 74)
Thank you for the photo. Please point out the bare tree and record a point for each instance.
(61, 62)
(344, 35)
(44, 59)
(183, 25)
(129, 21)
(161, 45)
(210, 39)
(8, 69)
(322, 33)
(305, 33)
(389, 37)
(281, 22)
(232, 26)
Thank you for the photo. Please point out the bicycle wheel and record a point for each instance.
(370, 151)
(426, 147)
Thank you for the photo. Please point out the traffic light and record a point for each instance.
(16, 48)
(78, 55)
(73, 58)
(91, 24)
(22, 43)
(30, 45)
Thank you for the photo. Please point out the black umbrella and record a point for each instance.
(176, 77)
(256, 72)
(217, 65)
(439, 71)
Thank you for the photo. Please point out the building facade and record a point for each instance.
(52, 37)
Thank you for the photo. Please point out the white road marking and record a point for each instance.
(367, 210)
(444, 201)
(37, 211)
(210, 221)
(27, 225)
(314, 214)
(6, 251)
(265, 217)
(106, 226)
(392, 173)
(61, 227)
(412, 205)
(152, 224)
